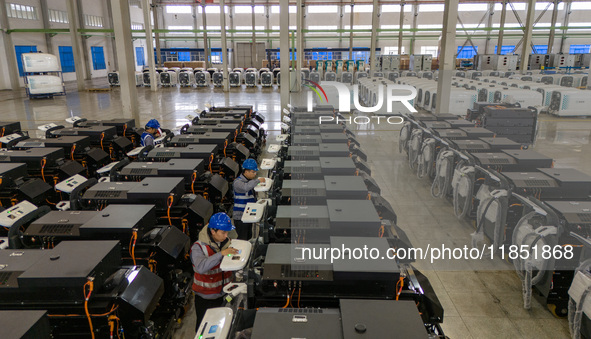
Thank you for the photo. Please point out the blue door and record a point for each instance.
(20, 50)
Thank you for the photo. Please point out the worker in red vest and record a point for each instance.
(206, 254)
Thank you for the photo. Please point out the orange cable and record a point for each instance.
(193, 178)
(72, 153)
(169, 203)
(90, 284)
(102, 137)
(43, 162)
(287, 303)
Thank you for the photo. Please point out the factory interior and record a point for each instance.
(295, 169)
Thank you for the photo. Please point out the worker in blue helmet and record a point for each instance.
(151, 130)
(243, 188)
(207, 254)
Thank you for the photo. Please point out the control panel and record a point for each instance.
(46, 127)
(274, 148)
(3, 243)
(107, 168)
(216, 323)
(236, 262)
(264, 186)
(70, 184)
(73, 119)
(281, 137)
(253, 212)
(135, 152)
(8, 138)
(13, 214)
(268, 164)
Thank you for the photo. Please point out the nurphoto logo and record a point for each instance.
(392, 92)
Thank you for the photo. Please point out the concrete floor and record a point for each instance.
(482, 299)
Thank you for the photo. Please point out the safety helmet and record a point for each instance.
(221, 221)
(250, 164)
(153, 124)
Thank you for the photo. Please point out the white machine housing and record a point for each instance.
(570, 102)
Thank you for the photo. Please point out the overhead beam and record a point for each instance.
(447, 60)
(76, 43)
(122, 26)
(529, 24)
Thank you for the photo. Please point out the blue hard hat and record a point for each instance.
(250, 164)
(153, 124)
(221, 221)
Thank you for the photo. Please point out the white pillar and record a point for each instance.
(284, 52)
(76, 43)
(529, 24)
(224, 46)
(150, 44)
(374, 38)
(447, 60)
(125, 59)
(9, 49)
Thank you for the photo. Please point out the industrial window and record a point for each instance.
(246, 28)
(518, 7)
(213, 9)
(216, 57)
(21, 11)
(184, 56)
(431, 8)
(578, 49)
(429, 50)
(360, 9)
(358, 27)
(506, 49)
(178, 9)
(58, 16)
(98, 57)
(276, 28)
(393, 26)
(395, 8)
(248, 9)
(67, 59)
(276, 9)
(137, 26)
(579, 6)
(392, 50)
(473, 8)
(540, 49)
(316, 28)
(135, 3)
(323, 9)
(187, 28)
(430, 26)
(540, 6)
(467, 26)
(139, 56)
(467, 52)
(20, 50)
(93, 20)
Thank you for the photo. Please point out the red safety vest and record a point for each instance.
(213, 280)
